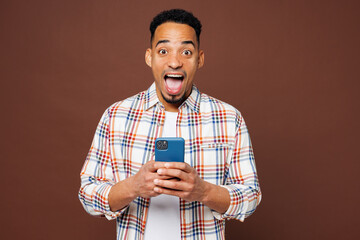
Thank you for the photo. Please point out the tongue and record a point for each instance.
(173, 85)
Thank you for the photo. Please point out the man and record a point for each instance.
(218, 179)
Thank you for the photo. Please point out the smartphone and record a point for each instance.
(169, 149)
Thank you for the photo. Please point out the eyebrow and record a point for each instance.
(188, 42)
(161, 41)
(183, 42)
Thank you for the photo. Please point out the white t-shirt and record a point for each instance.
(163, 221)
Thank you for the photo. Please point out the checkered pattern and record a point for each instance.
(217, 145)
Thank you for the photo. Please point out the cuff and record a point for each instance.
(101, 202)
(238, 205)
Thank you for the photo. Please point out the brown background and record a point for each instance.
(291, 68)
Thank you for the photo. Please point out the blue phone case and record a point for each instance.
(169, 149)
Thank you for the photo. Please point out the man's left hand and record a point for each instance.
(185, 182)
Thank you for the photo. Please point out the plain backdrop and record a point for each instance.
(290, 67)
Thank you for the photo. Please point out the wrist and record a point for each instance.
(131, 187)
(207, 190)
(121, 194)
(216, 197)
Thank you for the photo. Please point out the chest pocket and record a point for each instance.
(210, 160)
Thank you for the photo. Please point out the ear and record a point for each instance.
(148, 57)
(201, 59)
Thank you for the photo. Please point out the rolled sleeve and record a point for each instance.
(239, 202)
(94, 196)
(242, 181)
(97, 176)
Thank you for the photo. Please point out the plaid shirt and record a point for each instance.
(217, 145)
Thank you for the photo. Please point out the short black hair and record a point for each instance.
(177, 16)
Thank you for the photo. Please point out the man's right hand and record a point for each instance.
(139, 185)
(143, 181)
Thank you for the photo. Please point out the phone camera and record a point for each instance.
(162, 145)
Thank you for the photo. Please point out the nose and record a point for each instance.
(174, 61)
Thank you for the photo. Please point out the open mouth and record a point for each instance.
(173, 82)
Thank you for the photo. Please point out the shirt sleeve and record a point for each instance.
(241, 179)
(97, 175)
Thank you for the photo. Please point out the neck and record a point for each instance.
(170, 107)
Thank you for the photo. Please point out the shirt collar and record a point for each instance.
(193, 101)
(151, 97)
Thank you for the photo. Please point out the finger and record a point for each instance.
(154, 194)
(171, 184)
(158, 164)
(179, 165)
(149, 166)
(160, 190)
(163, 177)
(175, 173)
(180, 194)
(153, 166)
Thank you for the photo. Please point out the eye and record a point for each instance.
(187, 52)
(162, 51)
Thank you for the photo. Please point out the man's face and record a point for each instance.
(174, 57)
